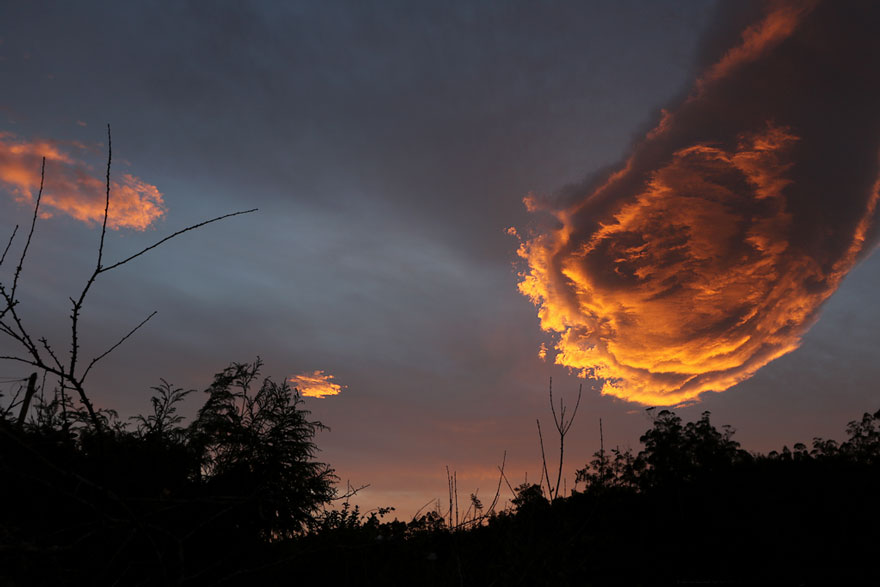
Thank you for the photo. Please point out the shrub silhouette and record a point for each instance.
(210, 503)
(259, 443)
(170, 503)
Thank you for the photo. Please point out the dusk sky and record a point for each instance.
(390, 146)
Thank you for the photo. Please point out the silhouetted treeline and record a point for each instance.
(161, 503)
(237, 497)
(691, 507)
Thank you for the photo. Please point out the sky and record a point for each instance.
(390, 149)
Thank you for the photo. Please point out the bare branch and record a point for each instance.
(77, 304)
(544, 474)
(507, 481)
(455, 487)
(9, 297)
(27, 243)
(169, 237)
(7, 330)
(30, 362)
(498, 490)
(578, 403)
(449, 483)
(111, 349)
(107, 199)
(14, 401)
(563, 425)
(52, 354)
(350, 492)
(22, 335)
(420, 510)
(8, 244)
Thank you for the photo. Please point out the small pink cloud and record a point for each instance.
(71, 187)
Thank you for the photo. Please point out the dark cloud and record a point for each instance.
(442, 110)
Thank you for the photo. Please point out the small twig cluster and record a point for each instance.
(476, 513)
(562, 427)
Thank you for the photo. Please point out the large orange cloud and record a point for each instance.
(710, 251)
(72, 188)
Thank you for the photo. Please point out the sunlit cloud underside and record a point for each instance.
(315, 384)
(709, 252)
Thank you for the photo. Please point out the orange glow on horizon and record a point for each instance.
(71, 188)
(316, 384)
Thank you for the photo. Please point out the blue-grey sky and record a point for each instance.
(388, 146)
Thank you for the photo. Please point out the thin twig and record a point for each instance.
(23, 337)
(507, 481)
(10, 296)
(563, 427)
(467, 511)
(30, 362)
(350, 492)
(62, 382)
(107, 199)
(52, 354)
(193, 227)
(27, 243)
(421, 509)
(498, 490)
(455, 488)
(449, 484)
(544, 474)
(14, 400)
(8, 244)
(111, 349)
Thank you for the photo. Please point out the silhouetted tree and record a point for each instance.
(863, 444)
(255, 441)
(164, 423)
(604, 472)
(674, 453)
(529, 496)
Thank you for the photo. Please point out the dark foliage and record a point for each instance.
(236, 498)
(690, 508)
(259, 443)
(163, 504)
